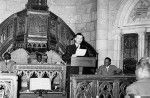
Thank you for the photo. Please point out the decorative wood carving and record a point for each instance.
(35, 30)
(95, 86)
(56, 74)
(8, 85)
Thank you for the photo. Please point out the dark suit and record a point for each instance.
(71, 49)
(140, 87)
(102, 70)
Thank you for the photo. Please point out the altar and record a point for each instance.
(55, 73)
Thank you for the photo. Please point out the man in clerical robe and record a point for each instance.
(71, 51)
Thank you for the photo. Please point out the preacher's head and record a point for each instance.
(79, 38)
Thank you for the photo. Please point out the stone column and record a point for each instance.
(102, 30)
(141, 43)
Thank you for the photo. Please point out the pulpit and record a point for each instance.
(82, 62)
(78, 65)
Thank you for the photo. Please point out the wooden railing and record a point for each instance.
(96, 86)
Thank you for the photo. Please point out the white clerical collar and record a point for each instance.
(107, 67)
(77, 45)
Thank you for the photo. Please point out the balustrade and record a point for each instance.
(96, 86)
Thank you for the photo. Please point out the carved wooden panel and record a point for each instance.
(59, 34)
(56, 74)
(52, 34)
(37, 24)
(21, 26)
(95, 86)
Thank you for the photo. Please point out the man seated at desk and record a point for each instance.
(79, 44)
(107, 69)
(7, 65)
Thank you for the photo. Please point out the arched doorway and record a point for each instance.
(133, 18)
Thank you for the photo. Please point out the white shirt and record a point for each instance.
(107, 68)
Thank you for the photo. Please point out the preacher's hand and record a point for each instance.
(74, 55)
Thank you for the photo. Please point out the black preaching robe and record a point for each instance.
(71, 49)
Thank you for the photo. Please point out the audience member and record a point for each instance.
(53, 57)
(38, 59)
(107, 69)
(7, 65)
(142, 86)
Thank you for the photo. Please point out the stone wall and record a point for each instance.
(108, 35)
(114, 33)
(9, 7)
(80, 15)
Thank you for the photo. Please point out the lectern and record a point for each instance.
(83, 62)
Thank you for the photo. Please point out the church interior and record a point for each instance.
(118, 29)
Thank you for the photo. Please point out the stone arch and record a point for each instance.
(125, 27)
(124, 12)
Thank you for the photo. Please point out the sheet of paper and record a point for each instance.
(81, 52)
(40, 84)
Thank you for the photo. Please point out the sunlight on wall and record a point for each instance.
(9, 7)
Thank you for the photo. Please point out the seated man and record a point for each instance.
(142, 86)
(38, 59)
(53, 57)
(7, 65)
(107, 69)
